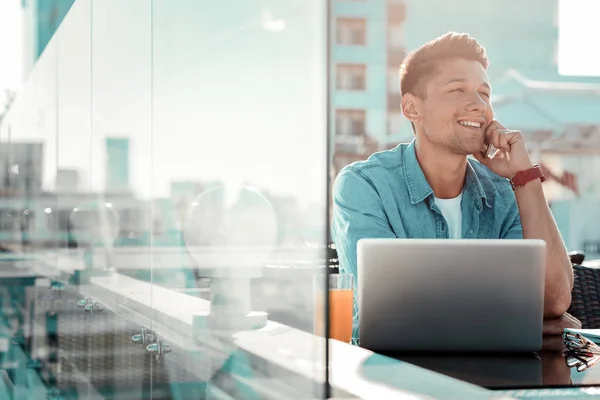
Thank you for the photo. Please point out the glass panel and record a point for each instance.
(29, 156)
(28, 163)
(120, 188)
(74, 147)
(238, 161)
(164, 200)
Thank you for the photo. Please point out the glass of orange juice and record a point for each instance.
(341, 301)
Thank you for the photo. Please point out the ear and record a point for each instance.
(410, 107)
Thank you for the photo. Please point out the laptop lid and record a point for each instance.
(451, 295)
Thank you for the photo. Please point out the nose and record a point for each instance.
(477, 103)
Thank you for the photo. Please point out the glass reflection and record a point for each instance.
(581, 353)
(165, 108)
(154, 180)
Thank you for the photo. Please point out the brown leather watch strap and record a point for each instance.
(523, 177)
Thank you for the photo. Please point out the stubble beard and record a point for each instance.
(453, 143)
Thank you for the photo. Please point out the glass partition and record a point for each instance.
(165, 195)
(238, 155)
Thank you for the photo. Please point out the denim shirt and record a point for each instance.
(387, 196)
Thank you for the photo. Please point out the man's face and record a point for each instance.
(456, 108)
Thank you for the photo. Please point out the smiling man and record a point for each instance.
(430, 188)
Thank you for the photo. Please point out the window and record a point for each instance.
(350, 122)
(351, 77)
(351, 31)
(393, 80)
(396, 36)
(395, 121)
(396, 11)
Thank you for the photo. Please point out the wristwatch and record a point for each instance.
(523, 177)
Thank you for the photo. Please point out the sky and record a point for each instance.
(10, 46)
(578, 37)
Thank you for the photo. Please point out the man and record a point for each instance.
(431, 189)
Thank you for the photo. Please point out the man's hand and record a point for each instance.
(553, 329)
(512, 155)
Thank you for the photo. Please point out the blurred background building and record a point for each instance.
(41, 18)
(21, 168)
(367, 48)
(117, 164)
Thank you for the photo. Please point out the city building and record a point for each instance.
(367, 47)
(21, 168)
(117, 164)
(67, 180)
(41, 18)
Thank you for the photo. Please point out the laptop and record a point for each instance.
(480, 295)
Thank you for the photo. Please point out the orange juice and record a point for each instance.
(340, 315)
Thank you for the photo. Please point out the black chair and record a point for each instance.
(585, 303)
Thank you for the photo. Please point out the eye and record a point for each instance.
(486, 95)
(459, 90)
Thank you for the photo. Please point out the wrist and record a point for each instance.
(522, 167)
(527, 175)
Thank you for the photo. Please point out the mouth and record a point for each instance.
(471, 124)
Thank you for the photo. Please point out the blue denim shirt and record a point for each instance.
(387, 196)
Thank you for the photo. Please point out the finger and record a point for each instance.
(495, 138)
(505, 140)
(502, 138)
(492, 126)
(510, 137)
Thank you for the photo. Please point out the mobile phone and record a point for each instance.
(489, 148)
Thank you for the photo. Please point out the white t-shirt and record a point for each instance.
(451, 211)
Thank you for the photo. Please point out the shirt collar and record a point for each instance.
(419, 189)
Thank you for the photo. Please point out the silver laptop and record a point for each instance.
(451, 295)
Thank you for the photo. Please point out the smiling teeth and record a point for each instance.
(469, 123)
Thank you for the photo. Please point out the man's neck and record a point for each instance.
(445, 172)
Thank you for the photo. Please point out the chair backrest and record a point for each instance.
(585, 302)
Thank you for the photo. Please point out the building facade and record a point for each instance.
(367, 46)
